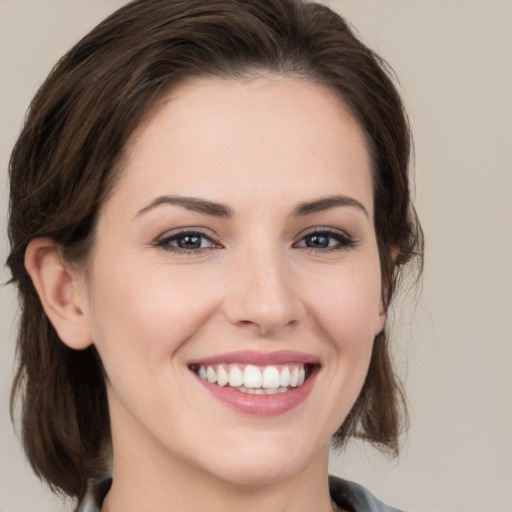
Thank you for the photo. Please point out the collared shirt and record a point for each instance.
(347, 496)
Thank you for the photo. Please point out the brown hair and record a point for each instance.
(67, 158)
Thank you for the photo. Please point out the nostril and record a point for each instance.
(266, 326)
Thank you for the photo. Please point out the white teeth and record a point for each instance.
(294, 377)
(236, 377)
(302, 376)
(284, 377)
(261, 391)
(211, 376)
(270, 377)
(252, 376)
(222, 376)
(253, 379)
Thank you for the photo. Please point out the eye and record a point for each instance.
(186, 242)
(326, 240)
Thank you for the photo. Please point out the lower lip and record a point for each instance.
(261, 405)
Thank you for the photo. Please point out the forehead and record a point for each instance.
(251, 135)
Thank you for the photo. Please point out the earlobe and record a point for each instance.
(381, 319)
(383, 305)
(60, 292)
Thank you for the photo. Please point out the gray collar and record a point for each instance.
(347, 495)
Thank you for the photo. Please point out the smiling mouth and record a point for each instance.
(257, 380)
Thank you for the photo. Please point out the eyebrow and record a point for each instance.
(326, 203)
(190, 203)
(221, 210)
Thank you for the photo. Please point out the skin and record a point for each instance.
(260, 147)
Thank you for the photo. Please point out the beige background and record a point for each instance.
(454, 60)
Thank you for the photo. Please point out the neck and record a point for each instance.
(148, 478)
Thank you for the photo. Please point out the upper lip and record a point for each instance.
(258, 358)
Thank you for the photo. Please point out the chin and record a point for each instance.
(258, 473)
(261, 464)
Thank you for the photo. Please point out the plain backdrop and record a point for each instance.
(454, 343)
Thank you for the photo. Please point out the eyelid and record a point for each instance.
(325, 230)
(345, 240)
(164, 239)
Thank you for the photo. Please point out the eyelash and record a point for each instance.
(165, 242)
(343, 240)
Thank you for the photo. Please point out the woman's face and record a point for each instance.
(235, 258)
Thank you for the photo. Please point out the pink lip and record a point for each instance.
(258, 358)
(260, 405)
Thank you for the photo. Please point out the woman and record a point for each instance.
(209, 214)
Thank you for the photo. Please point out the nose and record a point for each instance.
(261, 293)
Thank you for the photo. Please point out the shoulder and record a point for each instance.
(355, 497)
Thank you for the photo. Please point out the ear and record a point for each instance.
(61, 291)
(381, 318)
(383, 310)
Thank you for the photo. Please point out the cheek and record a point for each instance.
(346, 303)
(145, 318)
(345, 307)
